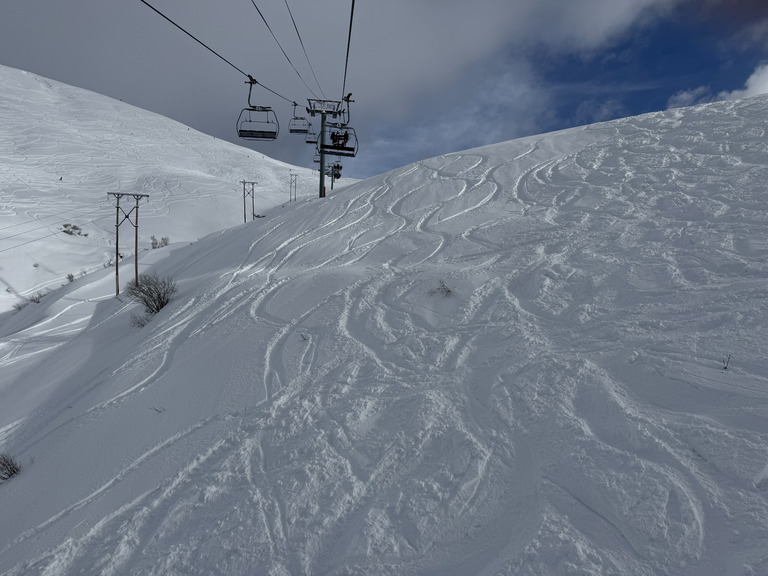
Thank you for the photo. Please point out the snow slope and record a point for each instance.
(507, 360)
(63, 149)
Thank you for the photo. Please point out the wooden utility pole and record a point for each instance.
(292, 194)
(250, 193)
(126, 216)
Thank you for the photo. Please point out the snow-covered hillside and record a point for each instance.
(507, 360)
(64, 149)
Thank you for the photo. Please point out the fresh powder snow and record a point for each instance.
(541, 357)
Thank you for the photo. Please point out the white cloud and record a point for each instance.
(756, 84)
(494, 105)
(684, 98)
(406, 51)
(410, 63)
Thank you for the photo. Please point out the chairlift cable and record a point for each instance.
(305, 50)
(281, 48)
(193, 37)
(349, 40)
(270, 90)
(214, 51)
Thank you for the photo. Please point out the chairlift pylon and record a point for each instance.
(257, 122)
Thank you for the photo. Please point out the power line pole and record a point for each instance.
(126, 216)
(292, 191)
(250, 193)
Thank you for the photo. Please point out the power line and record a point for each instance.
(349, 40)
(44, 226)
(28, 242)
(76, 211)
(304, 49)
(281, 47)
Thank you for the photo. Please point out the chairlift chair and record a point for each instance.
(298, 124)
(340, 140)
(334, 170)
(258, 123)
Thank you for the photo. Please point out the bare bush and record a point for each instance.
(159, 243)
(72, 230)
(36, 297)
(8, 467)
(25, 301)
(152, 291)
(441, 290)
(139, 320)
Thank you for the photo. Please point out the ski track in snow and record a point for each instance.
(502, 361)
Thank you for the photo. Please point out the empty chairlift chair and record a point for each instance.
(298, 124)
(257, 122)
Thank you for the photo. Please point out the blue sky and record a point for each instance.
(428, 76)
(644, 71)
(694, 52)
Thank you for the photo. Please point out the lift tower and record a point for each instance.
(324, 108)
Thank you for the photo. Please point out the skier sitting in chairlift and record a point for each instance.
(339, 140)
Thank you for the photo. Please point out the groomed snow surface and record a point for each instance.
(508, 360)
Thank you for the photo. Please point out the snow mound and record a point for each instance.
(507, 360)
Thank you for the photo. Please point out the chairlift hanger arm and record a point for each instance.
(252, 81)
(348, 100)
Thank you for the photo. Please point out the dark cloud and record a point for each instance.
(738, 11)
(739, 22)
